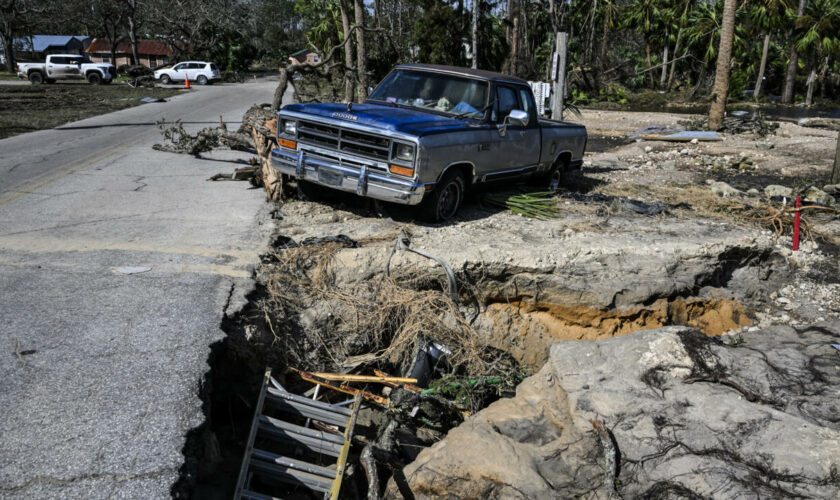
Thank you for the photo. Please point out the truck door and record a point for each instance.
(56, 66)
(74, 67)
(519, 147)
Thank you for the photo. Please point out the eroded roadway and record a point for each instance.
(99, 370)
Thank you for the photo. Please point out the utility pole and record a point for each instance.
(559, 78)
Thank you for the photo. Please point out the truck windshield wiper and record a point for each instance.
(392, 104)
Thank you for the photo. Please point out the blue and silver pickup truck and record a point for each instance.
(425, 136)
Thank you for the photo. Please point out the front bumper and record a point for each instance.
(352, 176)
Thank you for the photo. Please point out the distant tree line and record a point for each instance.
(784, 48)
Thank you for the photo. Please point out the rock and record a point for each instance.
(765, 145)
(777, 190)
(648, 149)
(723, 189)
(753, 192)
(684, 413)
(817, 195)
(695, 141)
(668, 165)
(832, 188)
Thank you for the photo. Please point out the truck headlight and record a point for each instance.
(290, 127)
(404, 152)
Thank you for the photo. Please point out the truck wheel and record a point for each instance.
(164, 79)
(36, 78)
(443, 202)
(201, 80)
(94, 78)
(552, 183)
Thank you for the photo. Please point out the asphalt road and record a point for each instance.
(100, 370)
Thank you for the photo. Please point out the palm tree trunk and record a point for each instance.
(761, 67)
(474, 31)
(361, 53)
(649, 66)
(664, 75)
(793, 63)
(348, 52)
(602, 55)
(591, 42)
(721, 86)
(822, 77)
(674, 59)
(809, 96)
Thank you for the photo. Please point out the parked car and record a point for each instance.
(425, 136)
(66, 67)
(199, 72)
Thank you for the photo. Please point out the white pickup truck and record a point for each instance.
(66, 67)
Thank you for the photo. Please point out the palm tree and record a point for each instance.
(819, 23)
(766, 16)
(793, 61)
(643, 16)
(610, 12)
(721, 88)
(683, 19)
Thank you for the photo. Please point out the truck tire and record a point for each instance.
(164, 79)
(443, 202)
(94, 78)
(201, 80)
(36, 78)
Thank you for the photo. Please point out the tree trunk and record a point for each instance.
(721, 86)
(760, 80)
(474, 31)
(674, 59)
(132, 36)
(809, 96)
(793, 63)
(7, 41)
(602, 55)
(514, 49)
(377, 14)
(822, 77)
(649, 65)
(835, 173)
(348, 52)
(664, 76)
(361, 53)
(591, 42)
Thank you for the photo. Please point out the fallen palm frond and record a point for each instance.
(536, 205)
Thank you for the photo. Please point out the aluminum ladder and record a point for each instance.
(284, 450)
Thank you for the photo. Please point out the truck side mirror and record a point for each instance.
(516, 117)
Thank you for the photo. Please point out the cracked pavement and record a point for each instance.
(99, 370)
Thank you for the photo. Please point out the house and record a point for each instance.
(152, 53)
(305, 56)
(38, 47)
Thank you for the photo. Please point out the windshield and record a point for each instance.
(448, 94)
(80, 60)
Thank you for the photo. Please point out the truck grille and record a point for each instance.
(348, 141)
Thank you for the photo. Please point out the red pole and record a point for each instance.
(796, 217)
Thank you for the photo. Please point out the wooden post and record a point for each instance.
(835, 174)
(560, 78)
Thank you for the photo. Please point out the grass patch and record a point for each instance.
(26, 108)
(5, 75)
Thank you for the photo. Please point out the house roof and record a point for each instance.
(40, 43)
(302, 52)
(144, 47)
(477, 73)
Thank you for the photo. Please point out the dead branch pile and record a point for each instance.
(755, 124)
(178, 140)
(781, 219)
(377, 322)
(257, 132)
